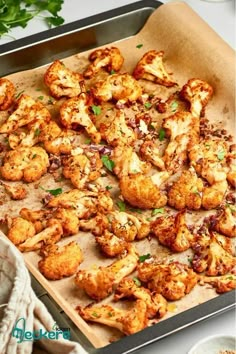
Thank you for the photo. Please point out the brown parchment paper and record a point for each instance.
(192, 49)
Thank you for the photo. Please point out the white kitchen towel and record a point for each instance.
(18, 301)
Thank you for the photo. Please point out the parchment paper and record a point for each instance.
(192, 50)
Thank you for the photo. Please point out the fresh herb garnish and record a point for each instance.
(162, 134)
(107, 162)
(94, 314)
(88, 141)
(52, 191)
(37, 132)
(230, 277)
(40, 98)
(112, 72)
(221, 155)
(158, 211)
(108, 188)
(147, 105)
(144, 257)
(136, 210)
(174, 106)
(137, 281)
(96, 109)
(139, 46)
(121, 205)
(34, 155)
(20, 93)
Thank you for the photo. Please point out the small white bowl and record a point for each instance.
(214, 345)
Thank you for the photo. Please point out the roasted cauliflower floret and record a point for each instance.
(173, 280)
(117, 132)
(82, 168)
(186, 192)
(7, 91)
(213, 195)
(62, 81)
(84, 203)
(98, 283)
(183, 130)
(231, 161)
(225, 222)
(122, 88)
(212, 254)
(222, 284)
(39, 218)
(110, 244)
(127, 162)
(27, 164)
(156, 303)
(74, 112)
(127, 321)
(107, 58)
(61, 261)
(97, 225)
(16, 192)
(173, 232)
(141, 192)
(20, 230)
(68, 220)
(150, 152)
(27, 111)
(198, 93)
(150, 67)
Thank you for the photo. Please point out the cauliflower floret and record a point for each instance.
(117, 132)
(108, 58)
(61, 261)
(84, 203)
(82, 168)
(222, 284)
(225, 222)
(213, 196)
(62, 81)
(172, 231)
(122, 88)
(7, 91)
(16, 192)
(231, 160)
(39, 218)
(97, 225)
(74, 112)
(183, 130)
(156, 303)
(98, 283)
(127, 321)
(68, 220)
(127, 162)
(150, 152)
(213, 254)
(141, 192)
(186, 192)
(198, 93)
(27, 111)
(50, 235)
(27, 164)
(20, 230)
(150, 67)
(110, 244)
(173, 280)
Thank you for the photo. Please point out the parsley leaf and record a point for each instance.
(121, 205)
(37, 132)
(158, 211)
(109, 164)
(108, 188)
(221, 155)
(53, 191)
(96, 109)
(148, 105)
(139, 46)
(112, 72)
(162, 134)
(144, 257)
(174, 106)
(137, 281)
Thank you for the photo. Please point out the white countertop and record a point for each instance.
(221, 17)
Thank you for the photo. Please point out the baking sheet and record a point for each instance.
(191, 49)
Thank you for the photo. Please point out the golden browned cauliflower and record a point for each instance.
(62, 81)
(127, 162)
(173, 280)
(198, 93)
(39, 218)
(209, 159)
(150, 67)
(16, 191)
(213, 196)
(212, 254)
(110, 59)
(156, 303)
(97, 225)
(127, 321)
(139, 191)
(225, 222)
(74, 112)
(110, 244)
(122, 88)
(20, 230)
(68, 220)
(117, 132)
(61, 261)
(7, 91)
(222, 284)
(173, 232)
(150, 152)
(98, 283)
(82, 167)
(183, 130)
(231, 161)
(27, 111)
(27, 164)
(85, 203)
(186, 192)
(50, 235)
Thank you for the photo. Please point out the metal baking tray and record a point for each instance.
(61, 42)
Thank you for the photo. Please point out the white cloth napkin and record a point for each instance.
(18, 300)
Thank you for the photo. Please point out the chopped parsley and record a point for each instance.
(148, 105)
(144, 257)
(52, 191)
(174, 106)
(139, 46)
(37, 132)
(158, 211)
(137, 281)
(112, 72)
(136, 210)
(121, 205)
(221, 155)
(96, 109)
(108, 188)
(94, 314)
(162, 134)
(107, 162)
(40, 98)
(88, 141)
(20, 93)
